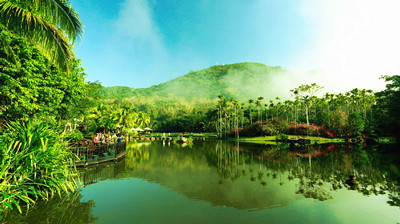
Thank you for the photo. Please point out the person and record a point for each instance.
(120, 140)
(96, 139)
(163, 135)
(103, 140)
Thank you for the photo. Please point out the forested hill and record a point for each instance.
(241, 81)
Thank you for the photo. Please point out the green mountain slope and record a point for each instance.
(241, 81)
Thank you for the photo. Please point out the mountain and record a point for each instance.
(241, 81)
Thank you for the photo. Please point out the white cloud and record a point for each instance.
(135, 26)
(357, 41)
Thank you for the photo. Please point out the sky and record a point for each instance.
(138, 43)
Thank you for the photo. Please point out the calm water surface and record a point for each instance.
(224, 182)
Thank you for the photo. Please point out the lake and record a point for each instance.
(227, 182)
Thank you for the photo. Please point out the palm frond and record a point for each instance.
(61, 14)
(48, 23)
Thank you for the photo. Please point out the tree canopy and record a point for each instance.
(31, 86)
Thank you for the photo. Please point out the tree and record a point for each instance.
(387, 108)
(305, 93)
(356, 125)
(250, 103)
(260, 99)
(35, 88)
(52, 25)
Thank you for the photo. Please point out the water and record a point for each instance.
(223, 182)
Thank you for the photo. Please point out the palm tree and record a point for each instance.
(52, 26)
(127, 116)
(250, 103)
(260, 116)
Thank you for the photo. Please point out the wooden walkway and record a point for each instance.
(96, 154)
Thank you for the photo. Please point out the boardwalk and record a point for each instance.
(95, 154)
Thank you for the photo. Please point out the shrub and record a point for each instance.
(283, 137)
(34, 165)
(73, 136)
(255, 129)
(269, 129)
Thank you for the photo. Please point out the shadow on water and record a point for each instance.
(243, 176)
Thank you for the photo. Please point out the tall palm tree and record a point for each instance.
(260, 99)
(250, 103)
(52, 26)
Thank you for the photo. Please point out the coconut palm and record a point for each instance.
(52, 26)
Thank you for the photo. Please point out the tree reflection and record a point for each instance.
(319, 169)
(64, 209)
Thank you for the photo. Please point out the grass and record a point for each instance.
(178, 134)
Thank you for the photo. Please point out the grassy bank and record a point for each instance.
(273, 139)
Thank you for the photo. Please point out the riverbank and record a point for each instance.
(273, 140)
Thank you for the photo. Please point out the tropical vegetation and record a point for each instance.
(52, 26)
(308, 111)
(46, 103)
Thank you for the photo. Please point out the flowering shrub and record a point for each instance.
(255, 129)
(313, 130)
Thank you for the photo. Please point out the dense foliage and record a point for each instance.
(31, 86)
(51, 25)
(34, 165)
(387, 108)
(42, 86)
(357, 113)
(174, 107)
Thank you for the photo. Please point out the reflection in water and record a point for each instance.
(209, 171)
(227, 174)
(316, 171)
(65, 209)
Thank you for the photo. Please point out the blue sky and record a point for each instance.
(139, 43)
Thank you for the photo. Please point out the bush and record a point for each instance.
(283, 137)
(34, 164)
(313, 130)
(73, 136)
(269, 129)
(255, 129)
